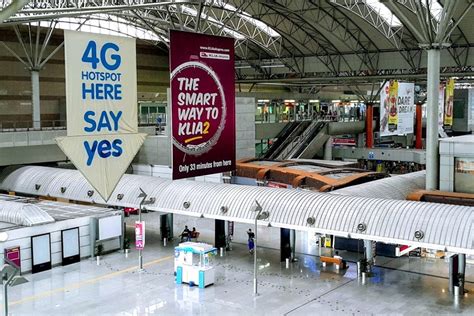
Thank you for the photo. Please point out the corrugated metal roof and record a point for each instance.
(23, 214)
(393, 188)
(435, 226)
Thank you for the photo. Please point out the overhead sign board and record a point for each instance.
(101, 98)
(202, 104)
(397, 108)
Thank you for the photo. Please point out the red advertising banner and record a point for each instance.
(139, 235)
(202, 104)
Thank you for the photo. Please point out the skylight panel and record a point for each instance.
(227, 30)
(247, 17)
(435, 8)
(103, 24)
(384, 12)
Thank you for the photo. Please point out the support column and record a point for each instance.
(462, 272)
(328, 149)
(293, 245)
(419, 126)
(285, 248)
(453, 272)
(166, 226)
(219, 236)
(369, 254)
(369, 121)
(432, 152)
(35, 99)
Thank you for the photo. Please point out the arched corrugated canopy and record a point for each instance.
(393, 188)
(434, 226)
(23, 214)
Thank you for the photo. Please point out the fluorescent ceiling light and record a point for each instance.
(266, 100)
(272, 66)
(313, 101)
(336, 101)
(289, 101)
(243, 67)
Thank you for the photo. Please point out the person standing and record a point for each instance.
(251, 240)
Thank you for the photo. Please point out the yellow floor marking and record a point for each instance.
(87, 282)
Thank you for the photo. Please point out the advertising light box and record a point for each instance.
(202, 104)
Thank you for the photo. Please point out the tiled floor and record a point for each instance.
(116, 287)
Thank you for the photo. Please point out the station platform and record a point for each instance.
(401, 286)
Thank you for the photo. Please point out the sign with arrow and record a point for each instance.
(101, 98)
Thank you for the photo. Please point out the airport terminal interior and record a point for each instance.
(233, 157)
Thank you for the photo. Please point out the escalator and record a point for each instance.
(287, 136)
(308, 143)
(280, 138)
(306, 140)
(311, 143)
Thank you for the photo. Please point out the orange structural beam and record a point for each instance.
(442, 197)
(369, 119)
(419, 127)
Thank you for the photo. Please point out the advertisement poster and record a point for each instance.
(449, 104)
(139, 235)
(464, 175)
(101, 100)
(202, 104)
(397, 108)
(441, 106)
(392, 105)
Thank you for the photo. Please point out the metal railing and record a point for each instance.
(22, 126)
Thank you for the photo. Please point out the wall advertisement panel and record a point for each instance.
(41, 253)
(70, 244)
(449, 104)
(202, 104)
(101, 98)
(464, 175)
(397, 108)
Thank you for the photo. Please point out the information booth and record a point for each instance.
(192, 264)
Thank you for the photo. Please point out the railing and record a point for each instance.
(22, 126)
(322, 116)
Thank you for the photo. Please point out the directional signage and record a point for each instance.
(202, 104)
(101, 98)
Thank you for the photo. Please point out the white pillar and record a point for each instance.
(432, 151)
(369, 254)
(35, 99)
(328, 149)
